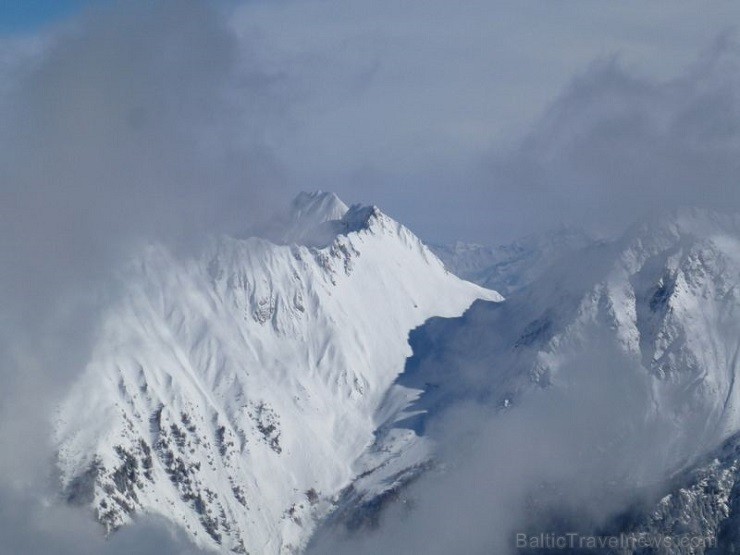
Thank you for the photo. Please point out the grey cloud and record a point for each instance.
(429, 100)
(32, 526)
(136, 122)
(133, 124)
(617, 146)
(502, 473)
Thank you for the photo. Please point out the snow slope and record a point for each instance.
(233, 392)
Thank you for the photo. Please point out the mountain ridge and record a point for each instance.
(626, 348)
(232, 392)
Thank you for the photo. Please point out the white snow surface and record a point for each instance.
(234, 392)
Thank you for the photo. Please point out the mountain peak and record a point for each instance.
(319, 206)
(310, 217)
(315, 219)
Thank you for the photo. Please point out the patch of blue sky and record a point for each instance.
(27, 16)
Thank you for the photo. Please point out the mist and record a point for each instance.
(617, 146)
(38, 526)
(133, 123)
(507, 119)
(567, 457)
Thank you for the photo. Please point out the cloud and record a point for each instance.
(394, 103)
(34, 526)
(562, 459)
(140, 121)
(616, 146)
(136, 122)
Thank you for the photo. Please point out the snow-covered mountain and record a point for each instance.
(628, 348)
(234, 392)
(263, 388)
(666, 294)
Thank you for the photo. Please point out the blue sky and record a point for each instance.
(22, 16)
